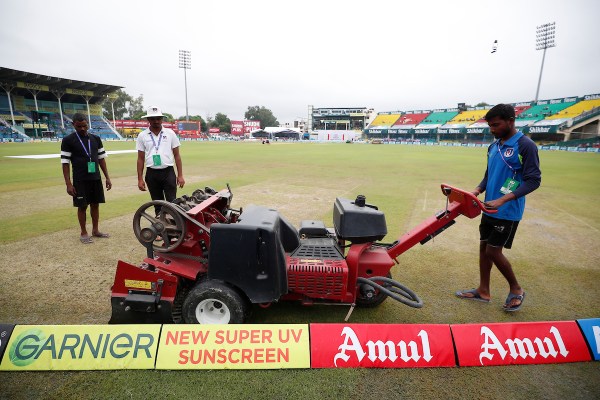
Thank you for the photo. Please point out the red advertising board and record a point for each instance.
(381, 346)
(519, 343)
(250, 126)
(142, 124)
(237, 128)
(126, 123)
(243, 127)
(214, 130)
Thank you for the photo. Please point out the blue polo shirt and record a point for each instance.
(517, 159)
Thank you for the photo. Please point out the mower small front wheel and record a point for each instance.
(216, 303)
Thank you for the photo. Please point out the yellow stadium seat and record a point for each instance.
(385, 120)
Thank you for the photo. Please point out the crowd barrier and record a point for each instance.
(412, 143)
(299, 346)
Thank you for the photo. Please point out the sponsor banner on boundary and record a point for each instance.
(381, 346)
(5, 332)
(233, 347)
(81, 347)
(591, 331)
(519, 343)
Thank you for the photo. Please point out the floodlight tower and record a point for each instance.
(544, 39)
(185, 62)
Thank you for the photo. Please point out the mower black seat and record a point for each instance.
(312, 229)
(250, 254)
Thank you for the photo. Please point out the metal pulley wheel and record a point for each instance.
(165, 231)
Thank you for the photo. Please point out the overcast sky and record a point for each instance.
(285, 55)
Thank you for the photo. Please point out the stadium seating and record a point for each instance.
(101, 128)
(438, 118)
(409, 120)
(51, 124)
(467, 118)
(384, 120)
(520, 109)
(545, 121)
(543, 111)
(576, 109)
(5, 132)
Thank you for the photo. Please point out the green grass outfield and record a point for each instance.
(555, 257)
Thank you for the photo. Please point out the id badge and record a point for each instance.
(91, 167)
(156, 160)
(509, 186)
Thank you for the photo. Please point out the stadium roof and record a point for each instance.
(73, 90)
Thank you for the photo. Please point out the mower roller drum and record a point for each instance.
(208, 263)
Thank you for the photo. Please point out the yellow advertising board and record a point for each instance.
(81, 347)
(33, 86)
(8, 117)
(233, 347)
(19, 103)
(80, 92)
(95, 109)
(36, 125)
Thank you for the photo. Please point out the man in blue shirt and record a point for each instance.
(513, 171)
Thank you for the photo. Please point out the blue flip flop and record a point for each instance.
(475, 296)
(85, 239)
(511, 296)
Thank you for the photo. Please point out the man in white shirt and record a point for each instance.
(158, 150)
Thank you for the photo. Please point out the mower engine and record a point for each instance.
(318, 271)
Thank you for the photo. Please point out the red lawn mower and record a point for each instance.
(209, 263)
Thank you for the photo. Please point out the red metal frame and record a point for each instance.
(368, 260)
(206, 213)
(129, 277)
(170, 267)
(460, 202)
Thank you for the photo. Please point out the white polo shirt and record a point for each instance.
(162, 144)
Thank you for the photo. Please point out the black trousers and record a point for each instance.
(162, 184)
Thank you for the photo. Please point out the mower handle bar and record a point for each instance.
(448, 191)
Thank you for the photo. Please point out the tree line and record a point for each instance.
(129, 107)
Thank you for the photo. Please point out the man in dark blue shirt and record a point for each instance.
(85, 153)
(513, 171)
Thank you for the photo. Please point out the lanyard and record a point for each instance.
(502, 157)
(88, 151)
(156, 146)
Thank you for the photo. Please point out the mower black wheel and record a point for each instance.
(214, 302)
(378, 298)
